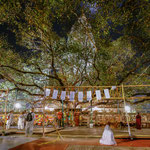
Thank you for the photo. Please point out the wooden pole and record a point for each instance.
(62, 114)
(59, 135)
(123, 96)
(125, 86)
(91, 115)
(5, 116)
(44, 114)
(43, 119)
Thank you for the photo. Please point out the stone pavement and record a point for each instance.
(82, 132)
(96, 132)
(37, 130)
(7, 142)
(74, 138)
(82, 144)
(92, 147)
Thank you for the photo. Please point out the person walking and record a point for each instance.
(29, 123)
(59, 117)
(9, 120)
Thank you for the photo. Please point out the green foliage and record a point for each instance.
(88, 56)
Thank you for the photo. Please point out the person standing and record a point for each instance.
(29, 123)
(138, 121)
(59, 117)
(21, 121)
(76, 117)
(9, 120)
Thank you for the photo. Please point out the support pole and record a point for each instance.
(43, 119)
(91, 111)
(91, 116)
(62, 114)
(118, 111)
(5, 116)
(123, 96)
(59, 135)
(44, 114)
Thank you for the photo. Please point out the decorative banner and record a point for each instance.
(106, 91)
(98, 95)
(55, 93)
(63, 95)
(72, 94)
(80, 96)
(47, 92)
(113, 87)
(89, 96)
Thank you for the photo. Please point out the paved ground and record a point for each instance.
(82, 144)
(83, 132)
(37, 130)
(96, 132)
(76, 138)
(7, 142)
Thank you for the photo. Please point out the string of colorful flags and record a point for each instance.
(71, 95)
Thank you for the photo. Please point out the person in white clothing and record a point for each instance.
(9, 120)
(107, 137)
(29, 123)
(21, 121)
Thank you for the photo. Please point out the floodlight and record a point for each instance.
(17, 105)
(127, 108)
(46, 107)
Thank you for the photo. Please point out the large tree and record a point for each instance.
(114, 33)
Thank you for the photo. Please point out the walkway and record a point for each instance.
(74, 138)
(82, 144)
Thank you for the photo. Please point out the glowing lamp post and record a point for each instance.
(127, 109)
(48, 108)
(17, 106)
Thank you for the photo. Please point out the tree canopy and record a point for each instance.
(73, 42)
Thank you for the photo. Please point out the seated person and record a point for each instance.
(107, 137)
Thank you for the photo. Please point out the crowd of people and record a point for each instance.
(61, 119)
(26, 121)
(69, 118)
